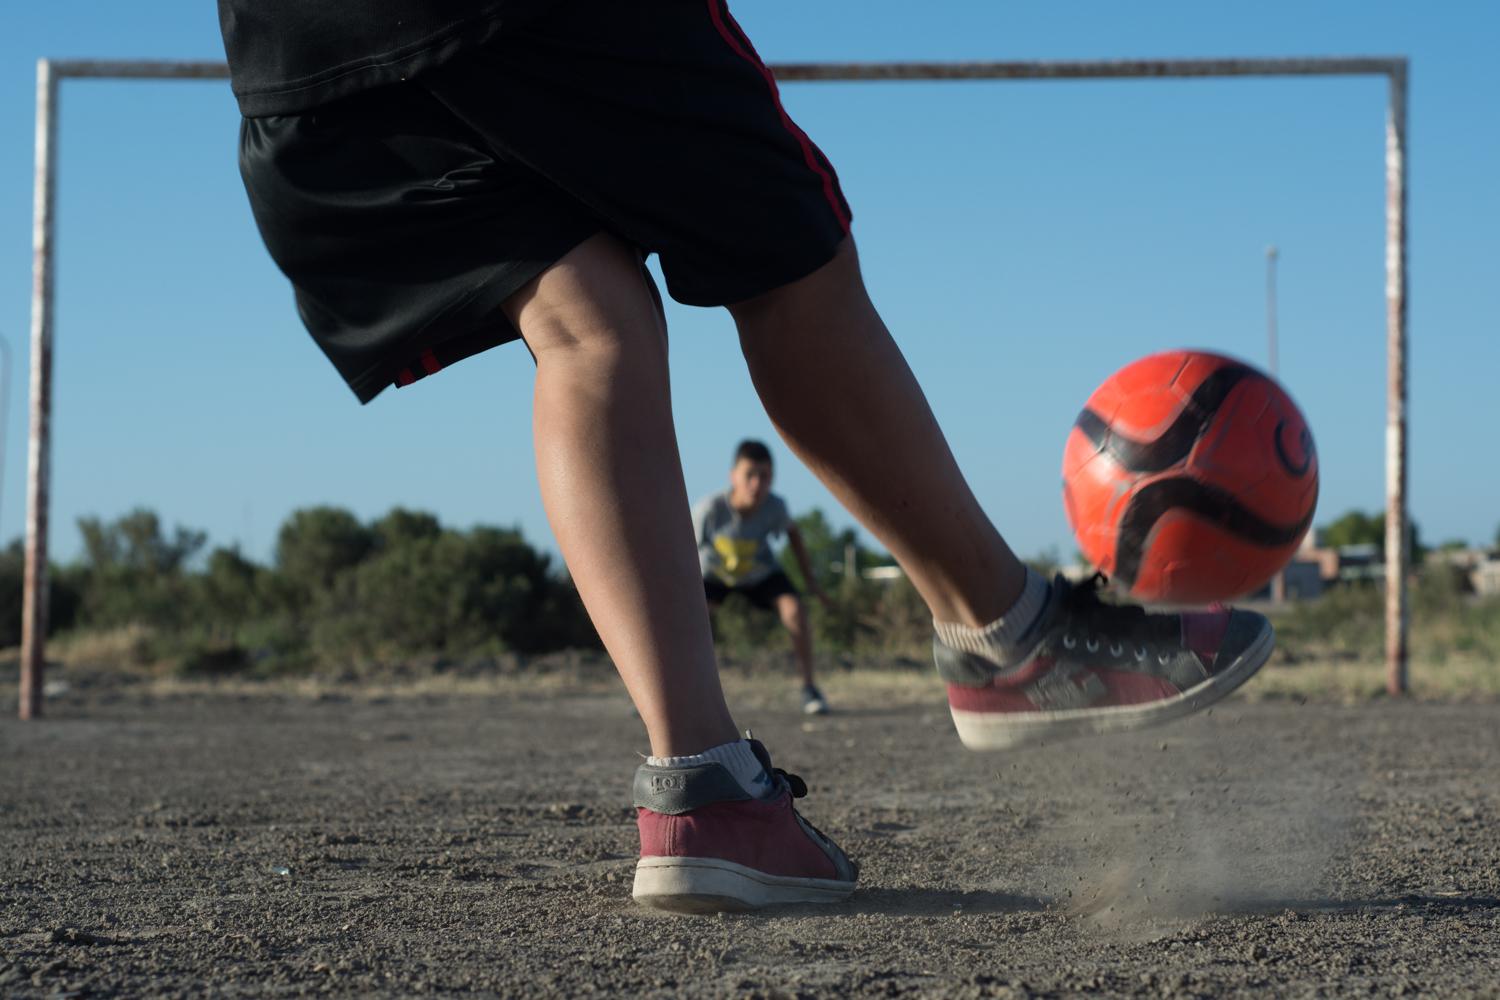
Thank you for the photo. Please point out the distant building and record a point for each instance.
(1345, 564)
(1486, 576)
(1304, 579)
(1360, 563)
(1479, 567)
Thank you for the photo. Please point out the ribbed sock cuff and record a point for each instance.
(736, 757)
(1003, 637)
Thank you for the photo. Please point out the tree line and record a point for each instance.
(337, 590)
(341, 592)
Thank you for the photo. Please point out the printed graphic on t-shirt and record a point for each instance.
(737, 556)
(734, 547)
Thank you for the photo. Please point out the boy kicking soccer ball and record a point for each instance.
(438, 178)
(735, 528)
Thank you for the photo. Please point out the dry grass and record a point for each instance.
(1351, 681)
(1452, 660)
(124, 648)
(1338, 681)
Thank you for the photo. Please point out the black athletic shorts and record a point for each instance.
(404, 216)
(763, 594)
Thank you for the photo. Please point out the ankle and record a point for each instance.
(1006, 634)
(976, 607)
(692, 738)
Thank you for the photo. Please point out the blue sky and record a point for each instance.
(1023, 240)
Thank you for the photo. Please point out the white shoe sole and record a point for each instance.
(707, 885)
(1008, 730)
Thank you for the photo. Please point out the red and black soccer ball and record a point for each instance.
(1189, 478)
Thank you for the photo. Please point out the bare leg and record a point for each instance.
(794, 616)
(838, 390)
(612, 485)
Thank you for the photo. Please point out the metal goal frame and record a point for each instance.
(51, 73)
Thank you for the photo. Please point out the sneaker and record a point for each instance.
(707, 845)
(1098, 668)
(813, 702)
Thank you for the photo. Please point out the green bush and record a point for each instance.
(134, 573)
(1346, 621)
(452, 592)
(340, 591)
(1349, 622)
(743, 629)
(317, 544)
(885, 618)
(63, 597)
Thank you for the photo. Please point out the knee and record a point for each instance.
(595, 303)
(793, 615)
(593, 341)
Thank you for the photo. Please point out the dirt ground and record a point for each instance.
(479, 842)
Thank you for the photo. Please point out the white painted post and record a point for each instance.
(34, 599)
(1397, 534)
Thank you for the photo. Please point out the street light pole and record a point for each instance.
(1278, 582)
(1271, 255)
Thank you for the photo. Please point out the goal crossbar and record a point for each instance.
(50, 74)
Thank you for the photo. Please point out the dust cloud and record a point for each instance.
(1216, 833)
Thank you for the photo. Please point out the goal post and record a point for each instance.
(51, 73)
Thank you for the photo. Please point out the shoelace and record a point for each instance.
(1121, 624)
(797, 786)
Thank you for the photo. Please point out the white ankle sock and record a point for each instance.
(737, 758)
(1007, 638)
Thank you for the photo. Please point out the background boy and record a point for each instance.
(735, 528)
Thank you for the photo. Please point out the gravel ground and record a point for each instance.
(275, 844)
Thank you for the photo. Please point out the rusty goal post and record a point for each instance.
(51, 73)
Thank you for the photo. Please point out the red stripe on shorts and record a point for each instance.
(430, 362)
(809, 151)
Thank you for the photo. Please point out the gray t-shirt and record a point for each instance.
(736, 549)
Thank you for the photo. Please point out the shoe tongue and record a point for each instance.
(761, 753)
(1203, 633)
(778, 779)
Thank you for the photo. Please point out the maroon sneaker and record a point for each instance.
(707, 845)
(1099, 668)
